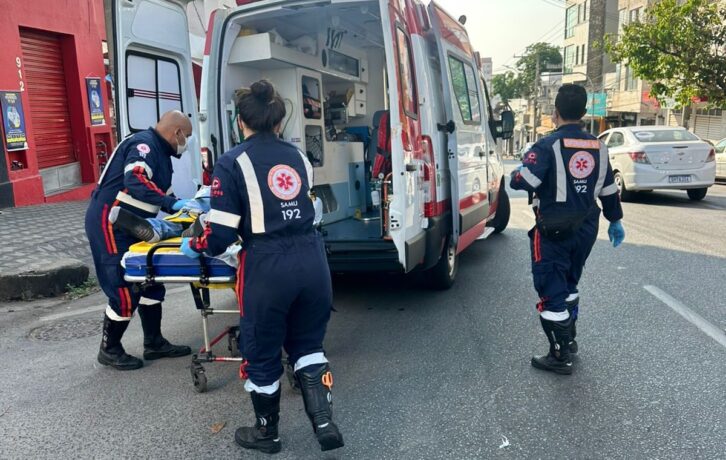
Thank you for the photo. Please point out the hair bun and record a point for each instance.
(263, 91)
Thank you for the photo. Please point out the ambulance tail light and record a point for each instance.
(639, 157)
(429, 180)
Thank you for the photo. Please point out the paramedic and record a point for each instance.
(137, 178)
(261, 194)
(566, 171)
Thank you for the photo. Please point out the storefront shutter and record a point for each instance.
(45, 81)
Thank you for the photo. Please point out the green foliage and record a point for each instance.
(548, 55)
(507, 86)
(87, 288)
(680, 46)
(511, 86)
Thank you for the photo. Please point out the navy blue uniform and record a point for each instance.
(137, 178)
(567, 171)
(260, 193)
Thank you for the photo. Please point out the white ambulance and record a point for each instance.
(385, 97)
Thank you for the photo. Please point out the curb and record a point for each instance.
(42, 280)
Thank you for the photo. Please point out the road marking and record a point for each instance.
(691, 316)
(96, 308)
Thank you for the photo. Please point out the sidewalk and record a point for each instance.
(39, 244)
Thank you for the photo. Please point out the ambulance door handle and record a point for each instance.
(449, 127)
(410, 167)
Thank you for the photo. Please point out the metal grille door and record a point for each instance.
(46, 85)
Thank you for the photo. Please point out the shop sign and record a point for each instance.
(95, 102)
(13, 120)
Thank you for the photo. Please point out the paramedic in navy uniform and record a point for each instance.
(260, 193)
(566, 171)
(137, 178)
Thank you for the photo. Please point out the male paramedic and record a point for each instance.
(138, 179)
(566, 172)
(261, 193)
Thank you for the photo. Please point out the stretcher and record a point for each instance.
(163, 263)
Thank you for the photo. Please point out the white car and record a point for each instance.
(721, 159)
(646, 158)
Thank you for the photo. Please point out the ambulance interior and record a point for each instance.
(328, 64)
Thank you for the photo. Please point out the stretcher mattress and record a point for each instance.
(171, 265)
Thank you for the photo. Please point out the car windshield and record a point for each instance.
(665, 135)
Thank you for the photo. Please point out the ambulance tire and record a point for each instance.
(504, 210)
(442, 275)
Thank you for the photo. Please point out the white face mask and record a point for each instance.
(180, 149)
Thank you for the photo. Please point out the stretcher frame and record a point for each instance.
(200, 286)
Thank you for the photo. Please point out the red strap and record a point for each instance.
(384, 138)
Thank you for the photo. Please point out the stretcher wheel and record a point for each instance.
(233, 343)
(199, 378)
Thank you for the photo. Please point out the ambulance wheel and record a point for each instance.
(504, 210)
(443, 274)
(199, 378)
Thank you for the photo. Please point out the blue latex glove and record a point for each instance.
(179, 204)
(187, 250)
(616, 232)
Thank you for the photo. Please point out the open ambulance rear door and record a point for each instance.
(406, 209)
(466, 132)
(151, 56)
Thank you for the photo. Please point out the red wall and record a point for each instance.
(81, 22)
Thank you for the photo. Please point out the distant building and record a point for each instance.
(487, 69)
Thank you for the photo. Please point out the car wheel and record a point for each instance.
(501, 219)
(697, 194)
(442, 275)
(625, 195)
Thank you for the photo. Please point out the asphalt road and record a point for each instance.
(421, 374)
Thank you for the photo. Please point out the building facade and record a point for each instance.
(56, 128)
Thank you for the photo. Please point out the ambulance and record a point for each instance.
(386, 98)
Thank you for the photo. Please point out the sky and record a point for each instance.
(502, 28)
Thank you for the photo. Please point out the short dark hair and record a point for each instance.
(261, 108)
(571, 102)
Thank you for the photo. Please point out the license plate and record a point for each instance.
(679, 179)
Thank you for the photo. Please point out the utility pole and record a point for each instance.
(535, 122)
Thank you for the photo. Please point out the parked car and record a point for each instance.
(646, 158)
(721, 159)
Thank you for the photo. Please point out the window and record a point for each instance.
(311, 98)
(634, 15)
(405, 74)
(585, 6)
(463, 79)
(616, 139)
(570, 21)
(582, 55)
(709, 112)
(577, 55)
(569, 60)
(665, 135)
(622, 18)
(631, 82)
(152, 88)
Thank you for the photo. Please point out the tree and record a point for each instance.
(507, 86)
(680, 46)
(549, 59)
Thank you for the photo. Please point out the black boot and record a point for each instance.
(558, 359)
(263, 436)
(155, 345)
(132, 224)
(573, 307)
(315, 383)
(112, 353)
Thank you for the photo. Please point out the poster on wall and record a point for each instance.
(95, 102)
(13, 120)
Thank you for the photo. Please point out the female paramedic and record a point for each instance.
(260, 192)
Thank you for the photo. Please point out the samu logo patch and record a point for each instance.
(284, 182)
(581, 164)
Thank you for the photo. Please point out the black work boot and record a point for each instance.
(558, 359)
(132, 224)
(573, 307)
(155, 345)
(263, 436)
(315, 382)
(111, 352)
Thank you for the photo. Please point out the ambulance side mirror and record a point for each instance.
(505, 125)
